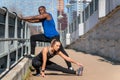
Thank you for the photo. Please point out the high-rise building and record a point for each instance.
(77, 6)
(81, 5)
(60, 6)
(62, 21)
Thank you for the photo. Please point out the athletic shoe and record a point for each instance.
(79, 71)
(71, 68)
(32, 55)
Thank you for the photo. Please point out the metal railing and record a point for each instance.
(14, 40)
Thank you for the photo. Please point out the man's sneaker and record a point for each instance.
(79, 71)
(32, 55)
(71, 68)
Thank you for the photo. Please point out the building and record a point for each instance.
(77, 6)
(60, 6)
(62, 23)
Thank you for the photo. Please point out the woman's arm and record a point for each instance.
(44, 54)
(68, 58)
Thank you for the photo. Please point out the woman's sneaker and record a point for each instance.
(70, 68)
(79, 71)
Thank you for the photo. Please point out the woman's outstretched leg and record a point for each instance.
(53, 66)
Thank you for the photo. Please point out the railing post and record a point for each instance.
(6, 45)
(22, 41)
(15, 36)
(25, 36)
(28, 37)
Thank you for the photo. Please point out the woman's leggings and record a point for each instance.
(43, 38)
(51, 66)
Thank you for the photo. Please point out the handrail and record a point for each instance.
(12, 49)
(9, 39)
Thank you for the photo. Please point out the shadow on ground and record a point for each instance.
(103, 58)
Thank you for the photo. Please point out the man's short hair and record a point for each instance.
(42, 7)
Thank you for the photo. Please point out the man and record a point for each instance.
(50, 31)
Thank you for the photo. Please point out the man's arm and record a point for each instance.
(37, 18)
(34, 21)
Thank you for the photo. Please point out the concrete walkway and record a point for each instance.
(95, 68)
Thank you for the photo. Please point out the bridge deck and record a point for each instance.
(95, 68)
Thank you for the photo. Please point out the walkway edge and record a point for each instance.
(19, 71)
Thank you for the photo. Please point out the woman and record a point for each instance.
(42, 60)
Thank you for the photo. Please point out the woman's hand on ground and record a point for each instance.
(42, 74)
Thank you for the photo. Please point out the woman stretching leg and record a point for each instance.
(42, 60)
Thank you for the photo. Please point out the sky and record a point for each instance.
(65, 9)
(27, 7)
(30, 7)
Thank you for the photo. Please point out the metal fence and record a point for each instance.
(14, 40)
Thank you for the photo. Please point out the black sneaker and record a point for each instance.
(32, 55)
(71, 68)
(79, 71)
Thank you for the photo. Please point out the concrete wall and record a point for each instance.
(103, 38)
(19, 72)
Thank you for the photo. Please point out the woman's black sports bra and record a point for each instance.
(49, 55)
